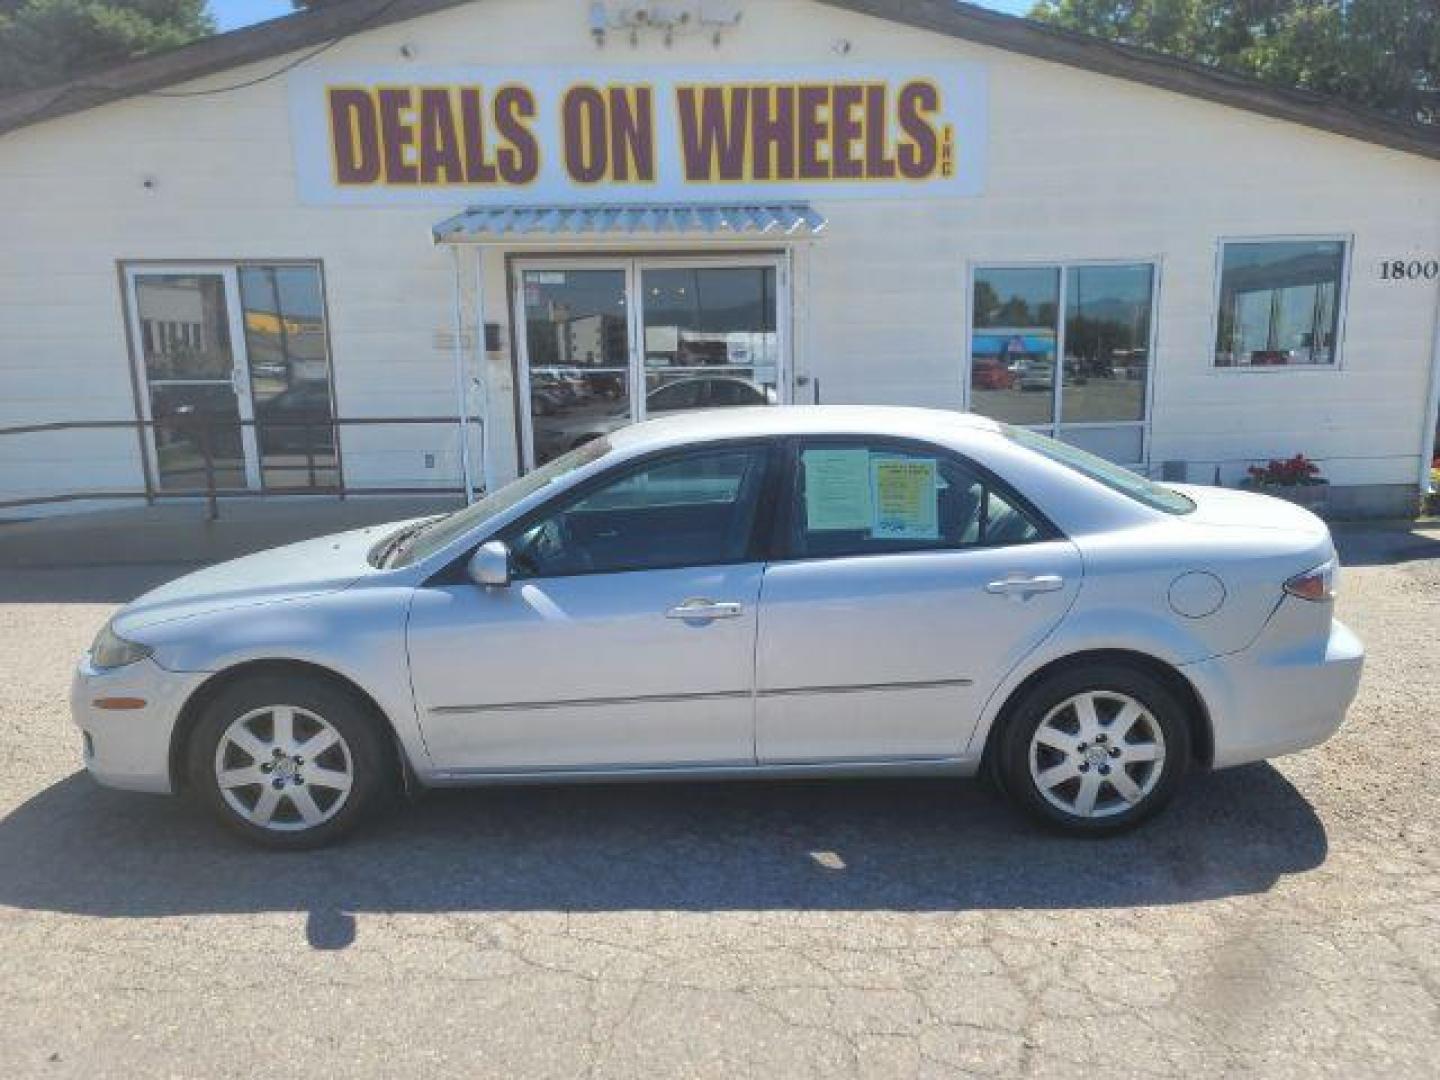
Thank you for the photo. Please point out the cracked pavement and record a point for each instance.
(1279, 920)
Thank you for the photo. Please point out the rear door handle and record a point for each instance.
(1023, 587)
(700, 610)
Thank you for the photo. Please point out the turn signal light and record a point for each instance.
(1314, 584)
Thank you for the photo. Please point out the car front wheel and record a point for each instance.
(288, 762)
(1094, 750)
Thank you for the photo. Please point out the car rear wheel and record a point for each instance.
(1094, 750)
(289, 762)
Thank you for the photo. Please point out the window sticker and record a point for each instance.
(837, 490)
(906, 498)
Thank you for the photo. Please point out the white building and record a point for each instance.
(690, 203)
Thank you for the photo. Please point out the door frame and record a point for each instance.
(239, 364)
(633, 265)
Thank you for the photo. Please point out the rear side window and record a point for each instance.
(855, 498)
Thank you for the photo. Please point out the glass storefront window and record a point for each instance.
(1017, 332)
(1107, 343)
(1013, 343)
(1279, 303)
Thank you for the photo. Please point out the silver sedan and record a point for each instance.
(742, 593)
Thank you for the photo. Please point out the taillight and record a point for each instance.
(1316, 584)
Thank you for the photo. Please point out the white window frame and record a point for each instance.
(1057, 421)
(1342, 302)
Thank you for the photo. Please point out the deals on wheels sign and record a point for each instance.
(512, 136)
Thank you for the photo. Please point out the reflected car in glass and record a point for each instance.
(578, 424)
(765, 592)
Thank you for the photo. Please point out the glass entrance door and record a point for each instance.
(195, 395)
(607, 342)
(577, 356)
(711, 336)
(234, 368)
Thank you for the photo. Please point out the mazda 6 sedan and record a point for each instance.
(742, 593)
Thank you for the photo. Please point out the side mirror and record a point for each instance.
(490, 564)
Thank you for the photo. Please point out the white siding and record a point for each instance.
(1080, 167)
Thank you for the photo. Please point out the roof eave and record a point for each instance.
(1028, 38)
(305, 29)
(315, 26)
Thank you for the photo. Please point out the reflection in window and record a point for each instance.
(284, 314)
(578, 348)
(1279, 303)
(1017, 333)
(1012, 344)
(1107, 343)
(185, 336)
(712, 329)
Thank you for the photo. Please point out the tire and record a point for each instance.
(334, 771)
(1123, 755)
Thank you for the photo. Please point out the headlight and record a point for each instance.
(110, 650)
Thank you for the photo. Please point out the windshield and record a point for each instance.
(436, 534)
(1113, 476)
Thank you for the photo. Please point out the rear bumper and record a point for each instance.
(1279, 695)
(129, 747)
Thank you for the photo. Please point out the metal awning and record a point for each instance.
(481, 224)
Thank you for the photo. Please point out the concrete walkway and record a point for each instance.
(175, 532)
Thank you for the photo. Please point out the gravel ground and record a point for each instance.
(1279, 920)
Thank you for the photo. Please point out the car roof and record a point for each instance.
(769, 421)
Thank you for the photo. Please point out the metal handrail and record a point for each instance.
(204, 429)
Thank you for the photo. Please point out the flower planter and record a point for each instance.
(1314, 496)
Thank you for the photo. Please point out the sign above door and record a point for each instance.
(511, 136)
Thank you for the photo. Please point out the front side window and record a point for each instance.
(696, 509)
(857, 498)
(1279, 303)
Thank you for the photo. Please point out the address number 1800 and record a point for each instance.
(1410, 270)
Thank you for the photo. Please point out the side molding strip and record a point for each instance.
(715, 695)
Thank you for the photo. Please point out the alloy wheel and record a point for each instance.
(284, 768)
(1097, 754)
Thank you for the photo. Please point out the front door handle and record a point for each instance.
(1023, 587)
(701, 610)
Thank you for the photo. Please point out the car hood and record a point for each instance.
(309, 568)
(1248, 509)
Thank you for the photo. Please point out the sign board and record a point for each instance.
(503, 136)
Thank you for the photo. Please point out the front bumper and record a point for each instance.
(1286, 692)
(129, 746)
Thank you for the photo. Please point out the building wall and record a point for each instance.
(1080, 167)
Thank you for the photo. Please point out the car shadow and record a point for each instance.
(913, 845)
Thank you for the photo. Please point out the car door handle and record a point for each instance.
(705, 610)
(1024, 587)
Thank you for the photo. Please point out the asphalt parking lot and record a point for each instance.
(1280, 920)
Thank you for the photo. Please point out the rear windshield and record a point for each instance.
(1115, 477)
